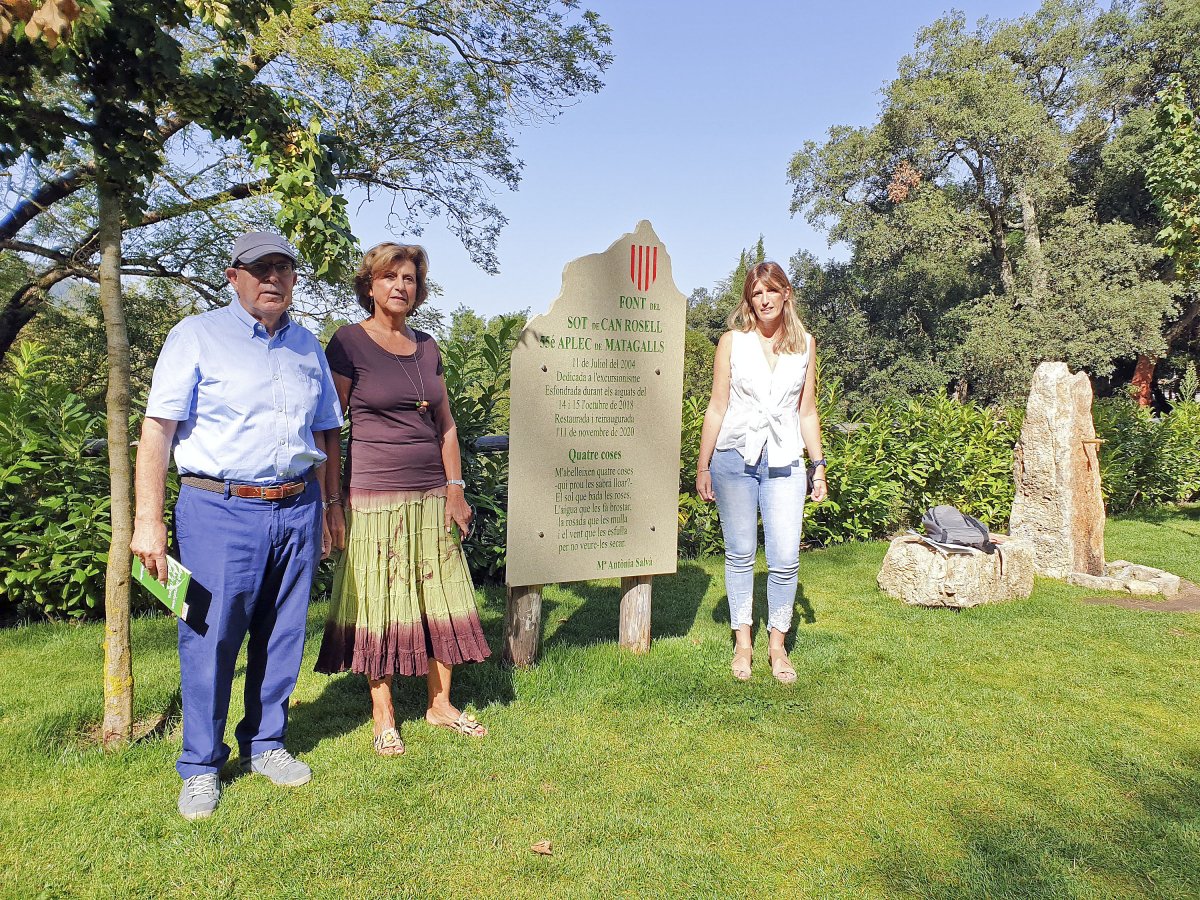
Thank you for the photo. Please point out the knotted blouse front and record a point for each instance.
(764, 403)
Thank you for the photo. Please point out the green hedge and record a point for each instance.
(54, 521)
(886, 466)
(477, 381)
(1148, 461)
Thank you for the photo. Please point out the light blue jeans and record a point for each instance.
(743, 490)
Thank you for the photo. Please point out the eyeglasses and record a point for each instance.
(261, 270)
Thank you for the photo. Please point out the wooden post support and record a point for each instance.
(523, 625)
(635, 613)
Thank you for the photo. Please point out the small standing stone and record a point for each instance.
(1133, 579)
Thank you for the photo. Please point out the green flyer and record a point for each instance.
(174, 593)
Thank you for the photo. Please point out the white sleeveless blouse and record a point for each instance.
(764, 404)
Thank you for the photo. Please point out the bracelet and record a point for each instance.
(332, 501)
(701, 471)
(462, 484)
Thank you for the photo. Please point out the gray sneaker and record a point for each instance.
(200, 796)
(280, 766)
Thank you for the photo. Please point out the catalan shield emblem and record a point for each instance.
(643, 265)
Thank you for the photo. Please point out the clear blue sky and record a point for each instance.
(702, 109)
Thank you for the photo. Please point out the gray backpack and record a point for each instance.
(947, 525)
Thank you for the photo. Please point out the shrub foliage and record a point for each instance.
(477, 380)
(54, 523)
(887, 464)
(1149, 461)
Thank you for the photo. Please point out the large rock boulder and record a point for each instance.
(1058, 507)
(920, 576)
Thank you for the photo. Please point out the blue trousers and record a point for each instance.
(742, 491)
(252, 564)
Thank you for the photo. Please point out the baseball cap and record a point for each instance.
(257, 244)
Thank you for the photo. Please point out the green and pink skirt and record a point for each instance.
(401, 590)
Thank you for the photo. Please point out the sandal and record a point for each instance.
(465, 725)
(742, 657)
(388, 743)
(781, 668)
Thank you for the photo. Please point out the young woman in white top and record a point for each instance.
(760, 421)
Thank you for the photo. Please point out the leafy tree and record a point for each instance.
(1107, 301)
(990, 118)
(699, 354)
(468, 326)
(1173, 176)
(1001, 153)
(414, 104)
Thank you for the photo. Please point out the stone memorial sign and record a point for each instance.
(596, 407)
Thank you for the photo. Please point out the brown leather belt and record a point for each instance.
(250, 491)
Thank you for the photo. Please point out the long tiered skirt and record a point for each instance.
(401, 590)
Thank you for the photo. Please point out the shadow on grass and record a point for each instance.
(803, 610)
(345, 703)
(675, 599)
(1159, 515)
(1047, 852)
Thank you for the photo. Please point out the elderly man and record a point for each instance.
(244, 396)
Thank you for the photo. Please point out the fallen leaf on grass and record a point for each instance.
(542, 847)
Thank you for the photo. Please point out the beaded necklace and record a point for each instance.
(421, 404)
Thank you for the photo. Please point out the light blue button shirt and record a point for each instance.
(247, 402)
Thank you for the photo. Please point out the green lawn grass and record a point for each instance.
(1042, 748)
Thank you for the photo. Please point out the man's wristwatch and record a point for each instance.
(817, 462)
(462, 484)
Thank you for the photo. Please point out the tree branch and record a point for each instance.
(50, 192)
(36, 250)
(47, 194)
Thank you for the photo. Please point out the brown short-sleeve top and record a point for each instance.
(393, 444)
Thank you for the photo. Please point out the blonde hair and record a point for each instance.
(791, 336)
(385, 257)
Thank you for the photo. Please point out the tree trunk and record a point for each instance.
(1180, 333)
(13, 318)
(999, 241)
(24, 303)
(962, 388)
(1143, 378)
(118, 661)
(1034, 258)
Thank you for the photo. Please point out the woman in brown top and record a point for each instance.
(403, 601)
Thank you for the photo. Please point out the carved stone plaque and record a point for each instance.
(597, 387)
